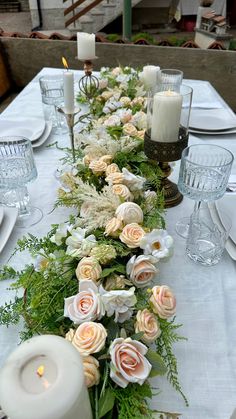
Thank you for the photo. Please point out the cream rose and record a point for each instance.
(86, 305)
(115, 178)
(123, 191)
(163, 301)
(91, 371)
(88, 268)
(125, 100)
(69, 335)
(98, 167)
(112, 168)
(131, 235)
(129, 212)
(107, 94)
(129, 129)
(146, 322)
(113, 227)
(107, 158)
(128, 363)
(89, 338)
(87, 159)
(142, 270)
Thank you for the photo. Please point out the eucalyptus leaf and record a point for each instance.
(106, 403)
(157, 362)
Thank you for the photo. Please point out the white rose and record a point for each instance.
(112, 121)
(134, 183)
(120, 303)
(142, 270)
(128, 363)
(157, 243)
(86, 305)
(103, 83)
(129, 212)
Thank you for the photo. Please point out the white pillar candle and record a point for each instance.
(44, 379)
(69, 99)
(166, 116)
(85, 46)
(150, 76)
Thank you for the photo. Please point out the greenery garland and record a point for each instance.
(93, 275)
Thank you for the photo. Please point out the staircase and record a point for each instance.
(9, 6)
(92, 15)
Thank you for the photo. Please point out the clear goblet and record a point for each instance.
(17, 168)
(203, 177)
(52, 92)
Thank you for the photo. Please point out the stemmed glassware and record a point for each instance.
(52, 91)
(17, 168)
(203, 177)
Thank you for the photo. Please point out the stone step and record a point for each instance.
(10, 6)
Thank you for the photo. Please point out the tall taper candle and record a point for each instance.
(44, 379)
(69, 97)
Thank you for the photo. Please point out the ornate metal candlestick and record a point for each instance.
(164, 153)
(89, 83)
(70, 119)
(167, 118)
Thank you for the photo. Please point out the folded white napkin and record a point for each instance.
(28, 127)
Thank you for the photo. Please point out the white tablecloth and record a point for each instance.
(206, 296)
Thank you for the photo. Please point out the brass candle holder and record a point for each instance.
(163, 153)
(89, 83)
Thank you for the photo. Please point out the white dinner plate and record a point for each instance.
(227, 205)
(229, 245)
(202, 132)
(9, 220)
(44, 136)
(31, 128)
(1, 214)
(212, 119)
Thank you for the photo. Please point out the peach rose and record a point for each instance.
(129, 212)
(146, 322)
(88, 268)
(163, 301)
(129, 129)
(98, 166)
(86, 305)
(113, 227)
(89, 338)
(112, 168)
(91, 371)
(142, 270)
(123, 191)
(69, 335)
(115, 178)
(131, 235)
(128, 363)
(107, 158)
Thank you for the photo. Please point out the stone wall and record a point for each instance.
(24, 5)
(218, 67)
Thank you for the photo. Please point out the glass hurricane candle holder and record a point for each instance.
(167, 133)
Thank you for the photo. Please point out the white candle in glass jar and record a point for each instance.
(44, 379)
(69, 98)
(85, 46)
(150, 76)
(166, 115)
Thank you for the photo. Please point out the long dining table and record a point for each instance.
(206, 296)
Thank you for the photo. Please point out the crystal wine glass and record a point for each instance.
(52, 92)
(204, 174)
(17, 168)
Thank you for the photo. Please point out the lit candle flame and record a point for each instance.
(40, 371)
(64, 62)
